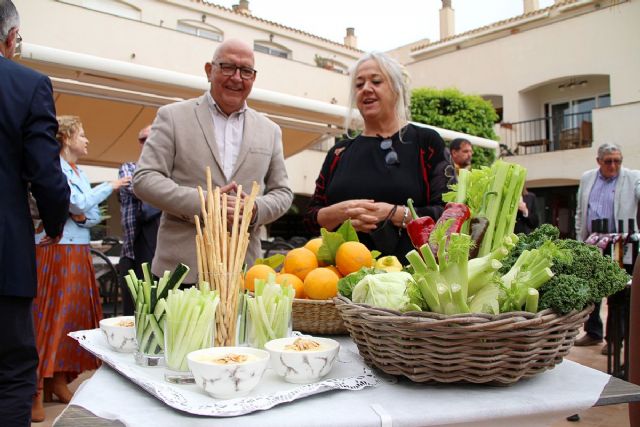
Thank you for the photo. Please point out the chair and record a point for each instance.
(277, 247)
(586, 134)
(108, 284)
(111, 246)
(569, 138)
(298, 241)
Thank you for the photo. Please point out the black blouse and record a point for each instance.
(357, 169)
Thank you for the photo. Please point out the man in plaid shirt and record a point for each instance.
(131, 210)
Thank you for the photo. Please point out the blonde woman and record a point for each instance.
(68, 297)
(369, 178)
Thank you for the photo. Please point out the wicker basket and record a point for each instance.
(317, 317)
(474, 348)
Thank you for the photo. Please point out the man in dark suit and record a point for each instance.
(29, 156)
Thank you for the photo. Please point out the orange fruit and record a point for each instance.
(352, 256)
(321, 283)
(313, 245)
(293, 281)
(258, 271)
(335, 270)
(300, 261)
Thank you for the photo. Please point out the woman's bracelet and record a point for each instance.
(405, 216)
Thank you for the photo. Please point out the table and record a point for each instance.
(568, 388)
(615, 392)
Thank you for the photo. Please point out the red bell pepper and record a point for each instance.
(419, 229)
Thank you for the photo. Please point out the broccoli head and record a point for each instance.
(603, 275)
(533, 240)
(563, 293)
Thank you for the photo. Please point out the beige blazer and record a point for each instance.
(180, 146)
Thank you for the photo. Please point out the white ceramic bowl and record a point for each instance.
(120, 337)
(226, 381)
(302, 366)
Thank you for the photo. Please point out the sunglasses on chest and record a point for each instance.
(391, 158)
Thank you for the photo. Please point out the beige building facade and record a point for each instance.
(564, 78)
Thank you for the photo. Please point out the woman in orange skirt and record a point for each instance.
(68, 296)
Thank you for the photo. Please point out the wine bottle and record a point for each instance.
(604, 243)
(631, 247)
(593, 238)
(617, 243)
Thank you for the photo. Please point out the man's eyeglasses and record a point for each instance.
(228, 69)
(391, 158)
(612, 161)
(18, 38)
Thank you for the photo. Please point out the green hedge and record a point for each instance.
(453, 110)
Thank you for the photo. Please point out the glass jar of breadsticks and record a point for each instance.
(221, 246)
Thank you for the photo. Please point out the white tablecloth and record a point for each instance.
(567, 389)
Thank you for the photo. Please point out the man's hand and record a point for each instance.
(48, 240)
(231, 190)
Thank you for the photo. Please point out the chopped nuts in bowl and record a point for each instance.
(228, 372)
(120, 333)
(303, 359)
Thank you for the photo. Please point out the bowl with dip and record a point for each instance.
(228, 372)
(303, 359)
(120, 333)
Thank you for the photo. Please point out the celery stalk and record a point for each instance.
(189, 324)
(269, 311)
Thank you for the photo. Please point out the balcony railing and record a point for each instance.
(553, 133)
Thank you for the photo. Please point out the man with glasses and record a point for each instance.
(609, 192)
(218, 130)
(30, 162)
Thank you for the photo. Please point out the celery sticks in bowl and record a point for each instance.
(269, 312)
(189, 325)
(149, 301)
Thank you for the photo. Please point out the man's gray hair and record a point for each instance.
(607, 148)
(9, 18)
(398, 80)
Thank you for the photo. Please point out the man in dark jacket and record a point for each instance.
(29, 161)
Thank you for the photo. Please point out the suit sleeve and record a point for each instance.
(152, 179)
(42, 160)
(277, 196)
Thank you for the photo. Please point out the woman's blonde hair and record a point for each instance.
(67, 127)
(398, 80)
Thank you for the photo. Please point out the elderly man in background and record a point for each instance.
(608, 192)
(461, 152)
(29, 155)
(218, 130)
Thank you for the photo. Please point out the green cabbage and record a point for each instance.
(385, 290)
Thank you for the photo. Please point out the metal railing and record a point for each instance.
(551, 133)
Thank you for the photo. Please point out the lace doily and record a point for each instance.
(349, 373)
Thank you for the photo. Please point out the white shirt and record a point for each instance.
(228, 133)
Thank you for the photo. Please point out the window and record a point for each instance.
(330, 64)
(272, 49)
(604, 101)
(200, 29)
(113, 7)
